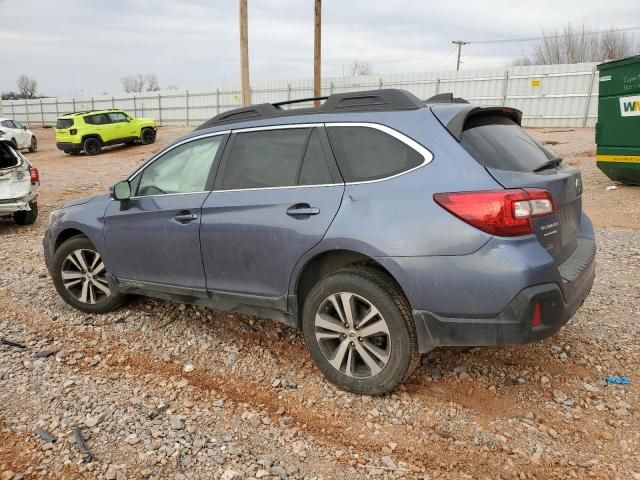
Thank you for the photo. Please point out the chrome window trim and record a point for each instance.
(426, 154)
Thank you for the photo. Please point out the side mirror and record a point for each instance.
(122, 190)
(24, 127)
(128, 119)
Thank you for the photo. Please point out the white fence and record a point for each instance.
(548, 95)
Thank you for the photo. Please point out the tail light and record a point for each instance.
(73, 131)
(505, 213)
(35, 175)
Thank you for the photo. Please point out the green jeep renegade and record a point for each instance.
(90, 131)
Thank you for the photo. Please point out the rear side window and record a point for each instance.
(365, 153)
(269, 158)
(98, 119)
(64, 123)
(314, 169)
(498, 142)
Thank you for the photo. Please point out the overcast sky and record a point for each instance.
(84, 47)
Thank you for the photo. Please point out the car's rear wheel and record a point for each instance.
(79, 275)
(147, 136)
(27, 218)
(359, 329)
(92, 146)
(34, 144)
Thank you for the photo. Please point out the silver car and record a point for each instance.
(19, 185)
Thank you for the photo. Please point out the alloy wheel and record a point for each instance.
(353, 335)
(84, 276)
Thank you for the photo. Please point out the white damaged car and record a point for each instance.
(19, 185)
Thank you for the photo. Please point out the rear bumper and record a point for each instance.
(16, 205)
(514, 324)
(69, 147)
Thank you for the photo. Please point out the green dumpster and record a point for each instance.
(618, 127)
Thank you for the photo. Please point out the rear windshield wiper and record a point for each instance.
(551, 163)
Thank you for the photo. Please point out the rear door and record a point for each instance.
(516, 160)
(21, 134)
(276, 193)
(15, 180)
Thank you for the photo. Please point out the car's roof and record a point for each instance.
(91, 112)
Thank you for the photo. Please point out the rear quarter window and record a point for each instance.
(63, 123)
(366, 153)
(498, 142)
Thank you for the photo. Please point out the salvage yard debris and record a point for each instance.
(82, 446)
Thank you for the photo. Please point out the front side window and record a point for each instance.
(366, 153)
(184, 169)
(18, 125)
(268, 158)
(117, 117)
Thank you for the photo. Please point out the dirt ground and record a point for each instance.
(161, 390)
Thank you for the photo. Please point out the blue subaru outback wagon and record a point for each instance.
(381, 225)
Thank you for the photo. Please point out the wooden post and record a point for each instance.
(244, 54)
(317, 44)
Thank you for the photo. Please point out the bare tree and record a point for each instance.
(582, 44)
(139, 83)
(27, 86)
(522, 61)
(151, 79)
(360, 68)
(133, 83)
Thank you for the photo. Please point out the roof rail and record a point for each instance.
(445, 98)
(385, 99)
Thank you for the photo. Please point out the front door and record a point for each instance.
(154, 240)
(274, 199)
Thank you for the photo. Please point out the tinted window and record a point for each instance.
(64, 123)
(18, 124)
(269, 158)
(184, 169)
(314, 166)
(117, 117)
(365, 153)
(98, 119)
(8, 124)
(498, 142)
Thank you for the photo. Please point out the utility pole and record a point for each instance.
(460, 43)
(317, 44)
(244, 54)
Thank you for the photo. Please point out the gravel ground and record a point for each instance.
(161, 390)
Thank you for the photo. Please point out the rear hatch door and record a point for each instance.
(516, 160)
(15, 178)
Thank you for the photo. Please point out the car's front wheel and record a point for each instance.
(79, 275)
(360, 332)
(147, 136)
(34, 144)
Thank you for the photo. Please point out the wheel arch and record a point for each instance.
(67, 234)
(324, 264)
(92, 135)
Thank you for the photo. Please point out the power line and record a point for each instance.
(532, 39)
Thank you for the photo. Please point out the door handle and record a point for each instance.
(302, 210)
(185, 217)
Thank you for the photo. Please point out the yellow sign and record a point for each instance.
(535, 83)
(619, 158)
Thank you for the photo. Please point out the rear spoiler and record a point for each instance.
(454, 116)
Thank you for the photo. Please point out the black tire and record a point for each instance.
(34, 144)
(104, 303)
(92, 146)
(27, 218)
(383, 293)
(147, 136)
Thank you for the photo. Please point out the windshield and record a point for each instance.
(498, 142)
